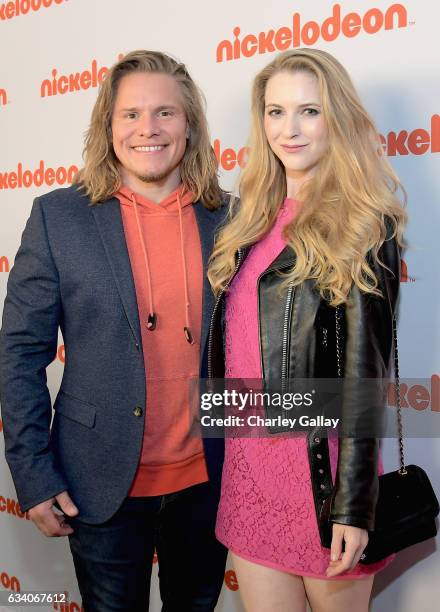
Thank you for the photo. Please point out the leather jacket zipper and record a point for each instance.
(286, 326)
(290, 294)
(240, 253)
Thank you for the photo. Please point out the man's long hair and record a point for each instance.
(100, 177)
(345, 203)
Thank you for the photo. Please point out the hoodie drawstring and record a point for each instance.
(186, 329)
(152, 317)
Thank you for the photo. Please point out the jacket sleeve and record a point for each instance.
(28, 344)
(368, 348)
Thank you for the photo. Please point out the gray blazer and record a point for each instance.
(73, 272)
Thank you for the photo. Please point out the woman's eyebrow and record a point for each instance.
(303, 105)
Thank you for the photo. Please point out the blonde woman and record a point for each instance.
(319, 226)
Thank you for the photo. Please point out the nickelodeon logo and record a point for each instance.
(231, 580)
(417, 396)
(403, 271)
(298, 34)
(12, 507)
(70, 606)
(416, 142)
(10, 583)
(76, 81)
(61, 355)
(3, 97)
(229, 158)
(4, 264)
(404, 276)
(8, 10)
(20, 178)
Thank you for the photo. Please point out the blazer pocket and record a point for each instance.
(75, 409)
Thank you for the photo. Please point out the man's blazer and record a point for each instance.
(73, 272)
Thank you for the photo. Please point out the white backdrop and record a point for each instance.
(55, 52)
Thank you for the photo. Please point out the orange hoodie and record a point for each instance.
(165, 254)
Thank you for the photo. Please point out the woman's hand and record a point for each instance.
(355, 538)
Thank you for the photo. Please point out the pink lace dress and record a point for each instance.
(266, 512)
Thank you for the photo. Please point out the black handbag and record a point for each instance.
(407, 505)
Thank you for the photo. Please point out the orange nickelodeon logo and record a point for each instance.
(418, 397)
(21, 178)
(75, 81)
(69, 606)
(231, 580)
(229, 158)
(298, 34)
(11, 506)
(10, 583)
(61, 354)
(417, 142)
(4, 264)
(3, 97)
(403, 271)
(404, 276)
(8, 10)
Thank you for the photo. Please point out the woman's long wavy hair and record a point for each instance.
(344, 204)
(100, 176)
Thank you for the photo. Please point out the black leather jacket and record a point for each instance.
(297, 340)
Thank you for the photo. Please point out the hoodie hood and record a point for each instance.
(178, 199)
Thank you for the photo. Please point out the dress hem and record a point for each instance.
(280, 568)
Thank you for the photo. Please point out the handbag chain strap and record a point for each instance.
(402, 469)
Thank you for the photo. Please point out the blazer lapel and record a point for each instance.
(109, 221)
(207, 221)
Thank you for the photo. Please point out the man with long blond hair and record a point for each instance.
(117, 262)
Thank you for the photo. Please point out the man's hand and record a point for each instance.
(49, 522)
(355, 539)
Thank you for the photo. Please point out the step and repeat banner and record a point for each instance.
(55, 53)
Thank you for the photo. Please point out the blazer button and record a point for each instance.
(318, 456)
(317, 440)
(138, 412)
(322, 486)
(321, 471)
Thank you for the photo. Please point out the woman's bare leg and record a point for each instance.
(338, 595)
(263, 589)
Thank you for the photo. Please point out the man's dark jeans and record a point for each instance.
(113, 560)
